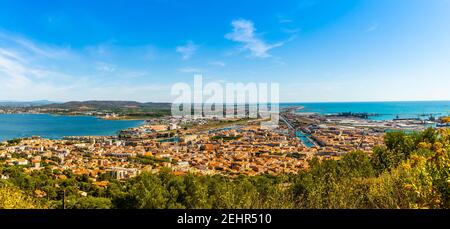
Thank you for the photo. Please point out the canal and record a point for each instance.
(304, 138)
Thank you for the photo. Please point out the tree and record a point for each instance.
(145, 191)
(398, 147)
(356, 164)
(196, 192)
(446, 119)
(88, 202)
(14, 198)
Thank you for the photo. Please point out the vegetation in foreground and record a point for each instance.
(410, 171)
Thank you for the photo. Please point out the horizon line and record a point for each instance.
(283, 102)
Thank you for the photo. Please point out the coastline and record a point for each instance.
(126, 118)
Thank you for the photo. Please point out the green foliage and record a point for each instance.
(14, 141)
(150, 160)
(14, 198)
(410, 171)
(398, 147)
(225, 138)
(165, 190)
(88, 202)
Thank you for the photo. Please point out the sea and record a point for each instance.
(379, 110)
(56, 126)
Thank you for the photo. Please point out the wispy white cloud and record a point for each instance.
(30, 70)
(284, 21)
(190, 70)
(244, 33)
(218, 63)
(105, 67)
(291, 30)
(8, 54)
(30, 47)
(12, 71)
(25, 71)
(187, 50)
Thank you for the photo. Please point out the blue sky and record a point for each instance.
(317, 50)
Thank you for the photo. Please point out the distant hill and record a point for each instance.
(98, 105)
(25, 103)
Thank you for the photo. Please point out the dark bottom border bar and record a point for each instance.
(228, 218)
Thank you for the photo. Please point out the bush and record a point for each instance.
(14, 198)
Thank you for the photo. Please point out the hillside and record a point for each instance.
(124, 109)
(25, 103)
(96, 105)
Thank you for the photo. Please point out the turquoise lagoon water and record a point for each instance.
(304, 138)
(56, 127)
(385, 110)
(174, 139)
